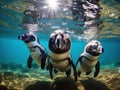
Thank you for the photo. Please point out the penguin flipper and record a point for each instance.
(50, 69)
(97, 69)
(87, 73)
(55, 71)
(47, 63)
(79, 72)
(74, 68)
(43, 57)
(68, 73)
(78, 61)
(29, 61)
(43, 60)
(75, 72)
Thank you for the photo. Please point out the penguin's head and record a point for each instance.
(94, 48)
(28, 37)
(31, 13)
(59, 42)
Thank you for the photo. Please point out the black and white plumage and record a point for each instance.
(37, 51)
(89, 58)
(59, 53)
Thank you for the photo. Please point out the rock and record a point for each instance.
(92, 84)
(24, 69)
(39, 85)
(117, 64)
(2, 87)
(12, 66)
(4, 66)
(35, 66)
(37, 79)
(63, 84)
(0, 78)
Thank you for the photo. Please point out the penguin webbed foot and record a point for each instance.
(75, 75)
(29, 66)
(87, 73)
(47, 64)
(42, 67)
(47, 67)
(68, 73)
(96, 74)
(50, 69)
(51, 75)
(97, 69)
(74, 69)
(78, 73)
(55, 71)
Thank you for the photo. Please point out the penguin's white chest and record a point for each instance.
(60, 61)
(60, 65)
(87, 64)
(36, 55)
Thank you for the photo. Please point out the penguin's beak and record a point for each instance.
(58, 41)
(98, 49)
(20, 37)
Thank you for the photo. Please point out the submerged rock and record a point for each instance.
(2, 87)
(117, 64)
(92, 84)
(37, 79)
(39, 85)
(63, 84)
(4, 66)
(24, 70)
(11, 66)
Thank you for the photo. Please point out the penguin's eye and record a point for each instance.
(65, 32)
(62, 35)
(32, 38)
(53, 38)
(25, 36)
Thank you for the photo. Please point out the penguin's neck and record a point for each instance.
(89, 56)
(59, 56)
(32, 44)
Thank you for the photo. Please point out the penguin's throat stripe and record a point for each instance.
(59, 59)
(61, 56)
(88, 58)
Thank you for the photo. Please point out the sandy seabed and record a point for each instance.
(23, 78)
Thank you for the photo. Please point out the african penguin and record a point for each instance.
(89, 58)
(37, 51)
(59, 53)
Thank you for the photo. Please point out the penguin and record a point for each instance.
(34, 14)
(89, 59)
(59, 53)
(37, 51)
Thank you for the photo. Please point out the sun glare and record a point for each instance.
(53, 4)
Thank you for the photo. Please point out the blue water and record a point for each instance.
(84, 20)
(13, 50)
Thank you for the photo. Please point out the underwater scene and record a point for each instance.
(59, 45)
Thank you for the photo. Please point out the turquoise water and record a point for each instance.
(14, 50)
(83, 22)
